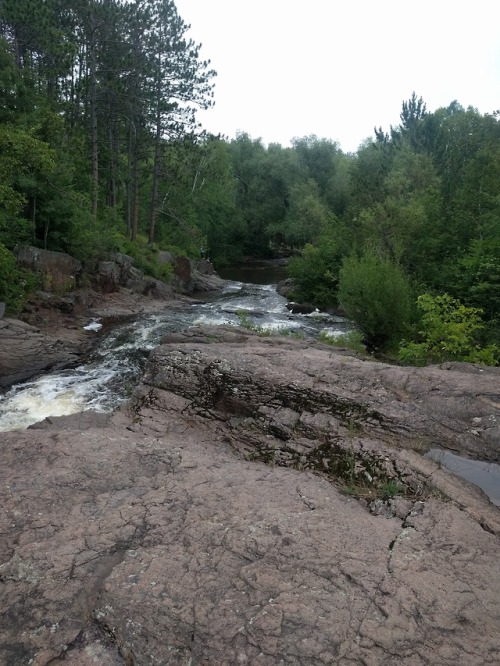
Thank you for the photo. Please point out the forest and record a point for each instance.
(101, 152)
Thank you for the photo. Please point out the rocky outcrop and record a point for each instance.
(59, 271)
(26, 351)
(51, 335)
(159, 535)
(193, 277)
(297, 389)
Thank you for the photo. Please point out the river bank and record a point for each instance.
(257, 499)
(51, 332)
(46, 339)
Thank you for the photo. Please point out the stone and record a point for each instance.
(59, 271)
(192, 527)
(26, 351)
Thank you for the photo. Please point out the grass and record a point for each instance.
(352, 340)
(246, 322)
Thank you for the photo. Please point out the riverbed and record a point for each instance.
(108, 377)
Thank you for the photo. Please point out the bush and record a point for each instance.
(145, 257)
(448, 333)
(15, 284)
(376, 294)
(315, 274)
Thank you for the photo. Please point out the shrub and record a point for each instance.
(315, 274)
(376, 294)
(448, 333)
(15, 284)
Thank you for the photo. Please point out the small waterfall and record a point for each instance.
(111, 372)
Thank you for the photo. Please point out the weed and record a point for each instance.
(246, 322)
(351, 340)
(390, 488)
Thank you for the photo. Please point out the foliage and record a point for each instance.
(145, 257)
(391, 488)
(376, 294)
(15, 284)
(448, 333)
(99, 142)
(351, 340)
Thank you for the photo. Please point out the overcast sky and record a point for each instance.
(336, 68)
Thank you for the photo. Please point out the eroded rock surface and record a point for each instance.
(152, 538)
(26, 351)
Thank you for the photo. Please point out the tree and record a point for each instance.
(180, 83)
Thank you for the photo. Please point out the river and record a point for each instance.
(108, 377)
(112, 370)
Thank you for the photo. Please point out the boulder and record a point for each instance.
(301, 308)
(192, 277)
(285, 287)
(59, 271)
(108, 276)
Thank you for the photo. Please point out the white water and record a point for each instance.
(112, 370)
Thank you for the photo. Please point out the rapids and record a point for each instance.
(108, 377)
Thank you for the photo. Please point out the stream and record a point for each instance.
(110, 373)
(108, 377)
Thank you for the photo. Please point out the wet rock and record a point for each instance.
(25, 351)
(285, 287)
(80, 421)
(301, 308)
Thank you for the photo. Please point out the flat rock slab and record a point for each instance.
(148, 538)
(455, 405)
(121, 545)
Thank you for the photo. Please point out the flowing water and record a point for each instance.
(108, 377)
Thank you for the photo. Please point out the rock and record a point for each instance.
(108, 276)
(59, 271)
(171, 547)
(301, 308)
(192, 277)
(158, 536)
(164, 257)
(80, 421)
(25, 352)
(285, 287)
(334, 393)
(158, 289)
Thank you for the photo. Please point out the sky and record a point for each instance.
(337, 68)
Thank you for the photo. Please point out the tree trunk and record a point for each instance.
(93, 120)
(156, 174)
(135, 217)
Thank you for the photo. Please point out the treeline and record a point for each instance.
(100, 151)
(97, 121)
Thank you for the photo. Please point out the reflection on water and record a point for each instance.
(256, 272)
(486, 475)
(110, 374)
